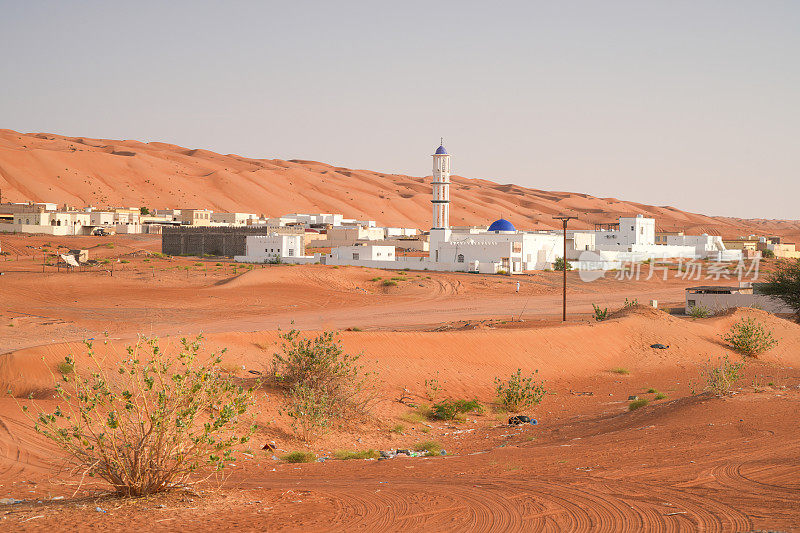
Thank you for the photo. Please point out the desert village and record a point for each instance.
(332, 239)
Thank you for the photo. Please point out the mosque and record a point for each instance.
(499, 248)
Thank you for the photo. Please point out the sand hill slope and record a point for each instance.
(81, 171)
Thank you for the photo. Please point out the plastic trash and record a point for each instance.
(659, 346)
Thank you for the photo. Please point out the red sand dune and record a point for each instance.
(81, 171)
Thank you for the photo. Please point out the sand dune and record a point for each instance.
(100, 172)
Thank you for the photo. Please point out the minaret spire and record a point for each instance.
(441, 188)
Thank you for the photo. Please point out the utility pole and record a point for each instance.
(564, 219)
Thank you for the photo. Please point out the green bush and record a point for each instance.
(659, 396)
(155, 424)
(699, 311)
(621, 371)
(630, 303)
(600, 314)
(299, 457)
(519, 392)
(389, 283)
(750, 337)
(309, 409)
(636, 404)
(452, 409)
(767, 254)
(720, 378)
(559, 264)
(323, 381)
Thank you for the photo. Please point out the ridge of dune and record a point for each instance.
(102, 172)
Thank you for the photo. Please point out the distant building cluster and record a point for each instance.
(332, 239)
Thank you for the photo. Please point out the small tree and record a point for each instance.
(144, 211)
(784, 283)
(559, 264)
(519, 392)
(750, 337)
(159, 422)
(767, 254)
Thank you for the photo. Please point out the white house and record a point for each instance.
(368, 252)
(271, 248)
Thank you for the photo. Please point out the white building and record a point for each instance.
(366, 252)
(272, 248)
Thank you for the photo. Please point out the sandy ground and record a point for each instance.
(81, 171)
(688, 462)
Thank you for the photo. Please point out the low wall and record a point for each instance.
(720, 302)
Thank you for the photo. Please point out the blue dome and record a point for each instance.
(502, 225)
(441, 150)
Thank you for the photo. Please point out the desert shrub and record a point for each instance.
(630, 303)
(721, 377)
(376, 278)
(389, 283)
(323, 381)
(299, 457)
(767, 254)
(750, 337)
(659, 396)
(651, 390)
(160, 421)
(784, 283)
(430, 447)
(559, 264)
(310, 410)
(399, 429)
(519, 392)
(346, 455)
(699, 311)
(621, 371)
(67, 366)
(452, 409)
(502, 272)
(600, 314)
(636, 404)
(432, 388)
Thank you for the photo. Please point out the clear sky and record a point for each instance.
(693, 104)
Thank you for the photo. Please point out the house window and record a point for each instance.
(631, 228)
(355, 256)
(291, 253)
(692, 303)
(460, 258)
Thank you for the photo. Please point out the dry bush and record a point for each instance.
(157, 422)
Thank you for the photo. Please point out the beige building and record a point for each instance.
(196, 217)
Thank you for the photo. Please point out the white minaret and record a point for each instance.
(440, 229)
(441, 188)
